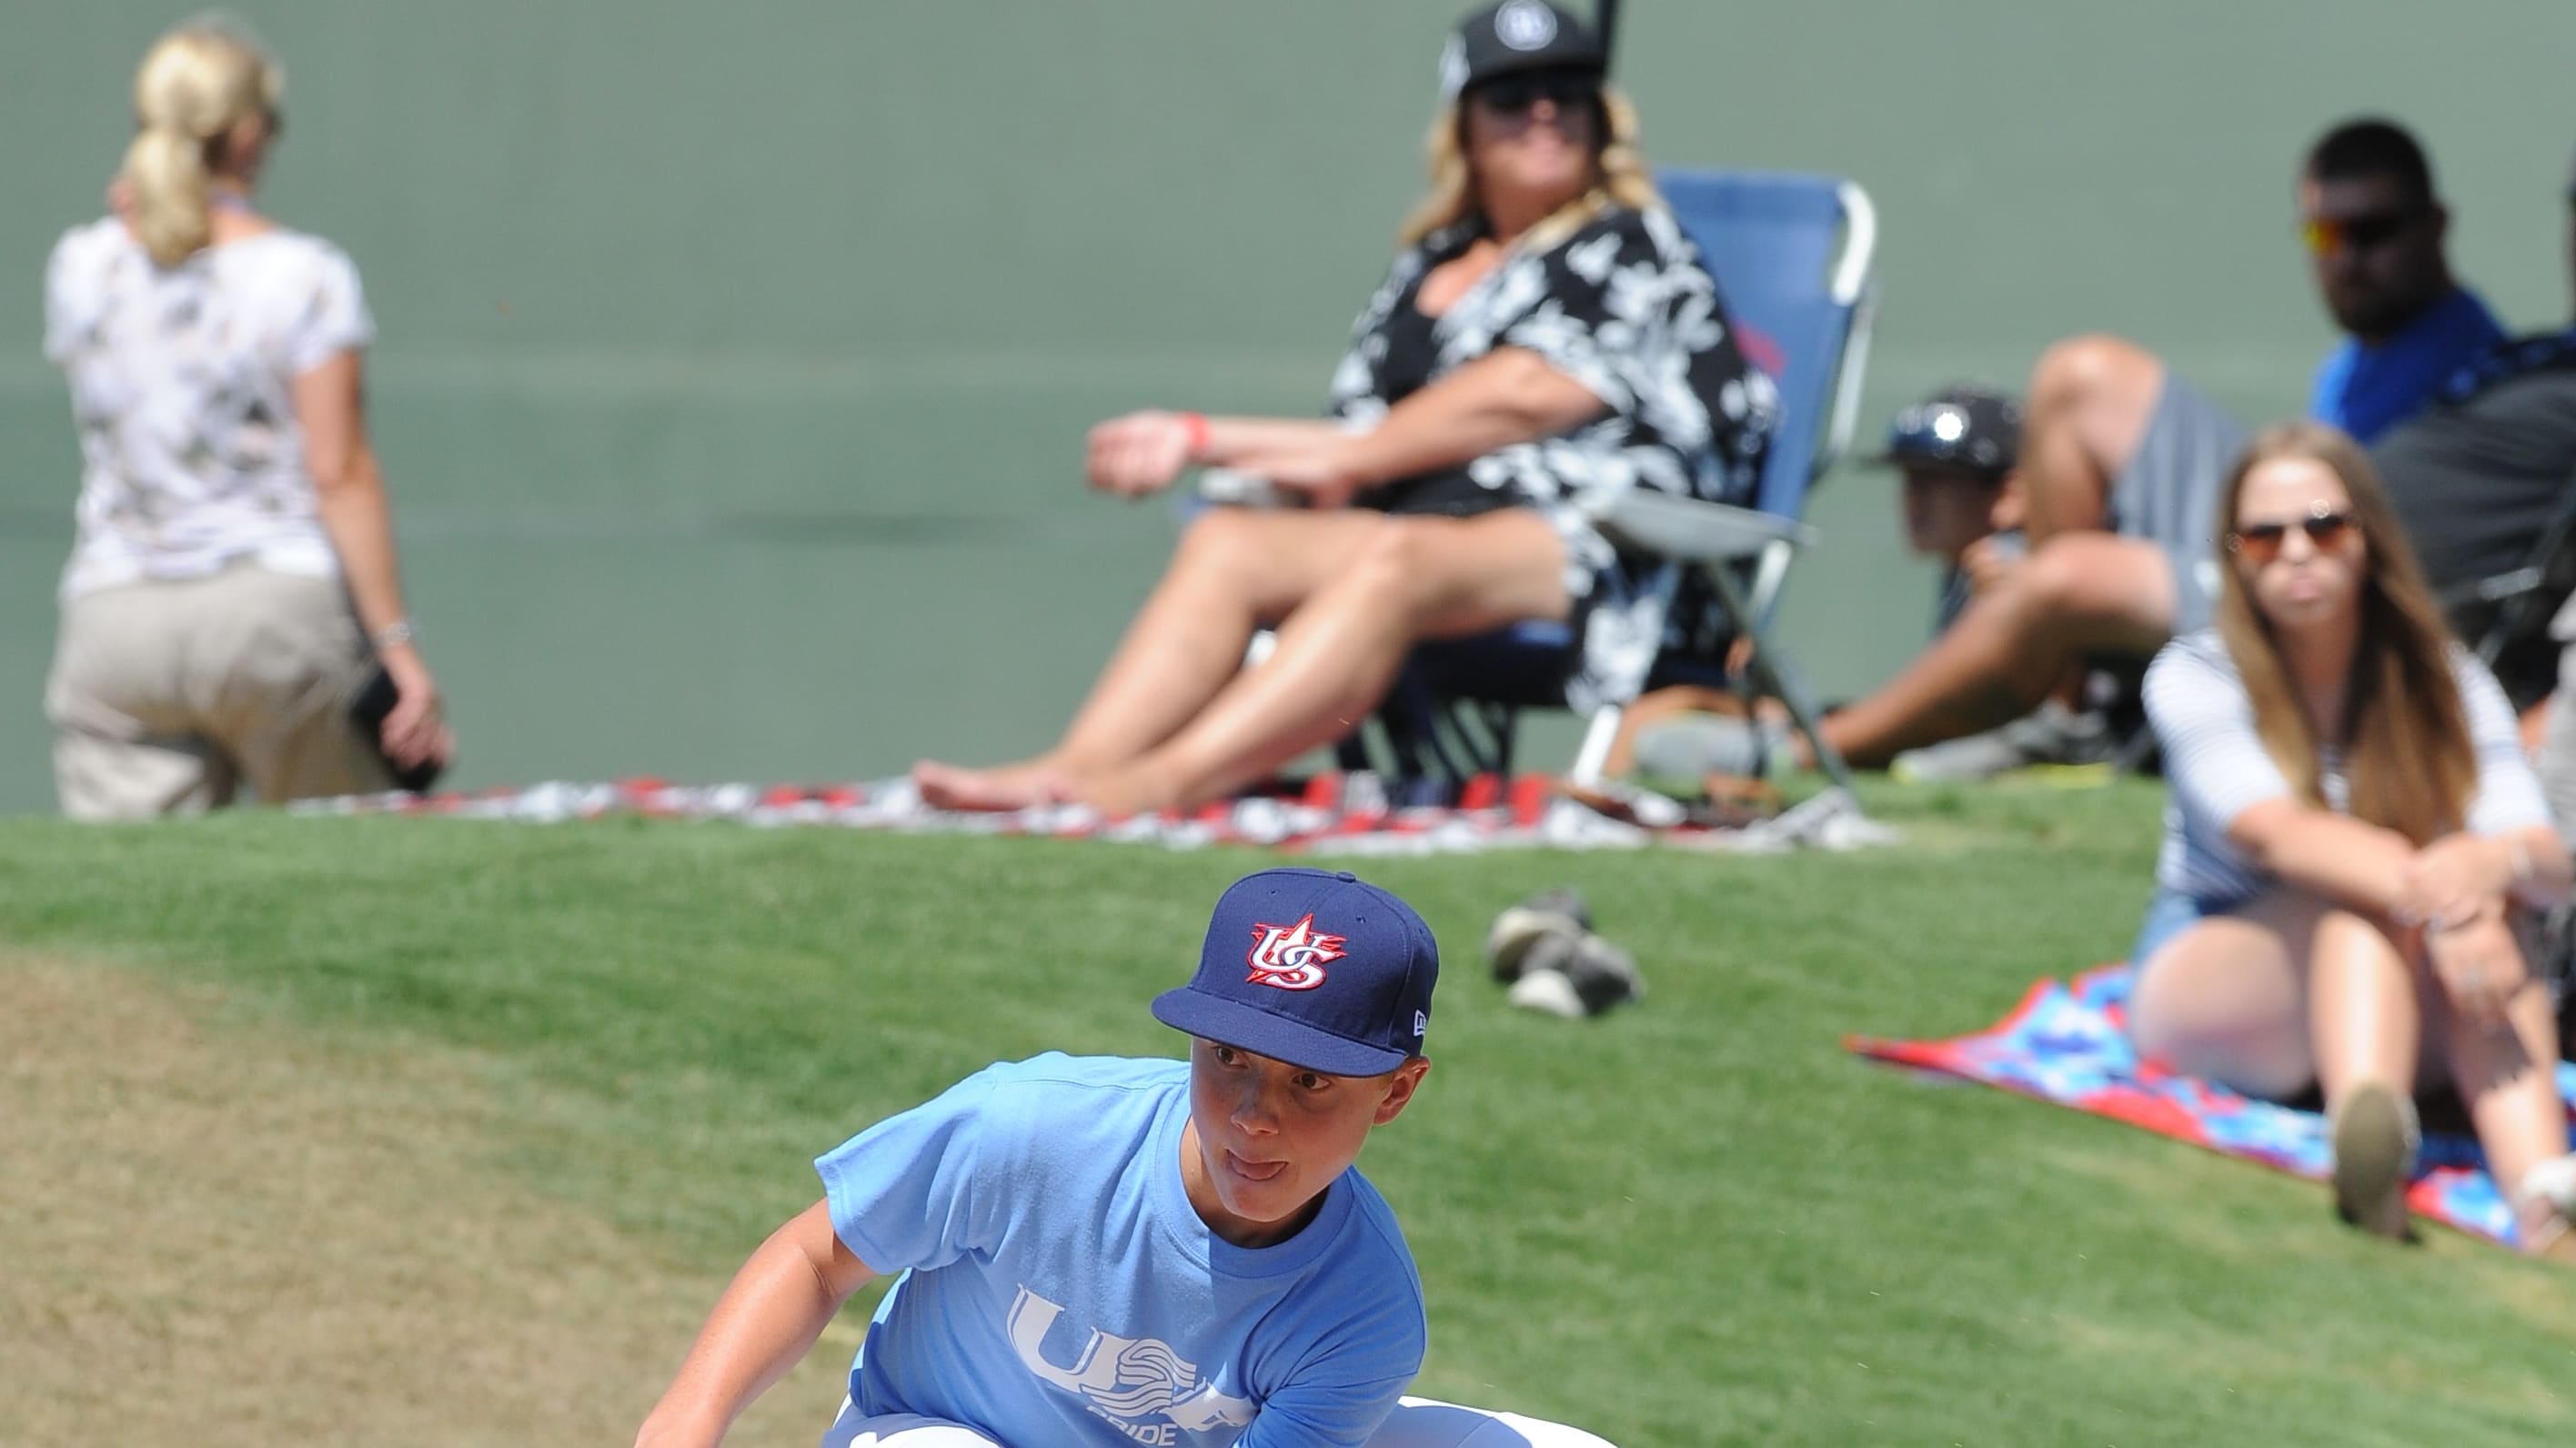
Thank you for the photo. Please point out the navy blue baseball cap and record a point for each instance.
(1314, 968)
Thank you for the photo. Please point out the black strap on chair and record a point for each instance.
(2525, 598)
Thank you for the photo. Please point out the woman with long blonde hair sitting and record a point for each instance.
(1547, 333)
(2353, 841)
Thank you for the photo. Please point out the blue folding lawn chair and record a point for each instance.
(1793, 255)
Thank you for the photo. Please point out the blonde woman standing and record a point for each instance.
(2353, 840)
(232, 587)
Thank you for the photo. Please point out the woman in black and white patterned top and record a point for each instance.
(2354, 835)
(1547, 334)
(232, 588)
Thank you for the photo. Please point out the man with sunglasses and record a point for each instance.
(2374, 232)
(2121, 459)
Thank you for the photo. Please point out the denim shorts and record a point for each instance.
(2170, 912)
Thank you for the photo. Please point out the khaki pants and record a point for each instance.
(169, 697)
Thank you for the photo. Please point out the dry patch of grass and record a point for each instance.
(215, 1235)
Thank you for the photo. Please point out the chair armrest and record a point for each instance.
(1235, 486)
(1689, 529)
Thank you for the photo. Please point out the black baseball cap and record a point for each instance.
(1312, 967)
(1965, 426)
(1513, 36)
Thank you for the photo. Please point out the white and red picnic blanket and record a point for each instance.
(1339, 813)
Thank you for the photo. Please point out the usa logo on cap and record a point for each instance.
(1291, 957)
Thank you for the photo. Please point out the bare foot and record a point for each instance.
(945, 786)
(1118, 793)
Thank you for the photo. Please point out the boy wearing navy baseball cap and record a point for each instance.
(1098, 1250)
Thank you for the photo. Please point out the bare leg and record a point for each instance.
(2227, 999)
(2295, 985)
(2082, 592)
(2506, 1078)
(1415, 579)
(1234, 570)
(2366, 1011)
(2089, 403)
(2224, 1000)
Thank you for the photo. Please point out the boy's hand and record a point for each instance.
(1987, 563)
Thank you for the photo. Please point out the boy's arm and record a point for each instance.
(778, 1304)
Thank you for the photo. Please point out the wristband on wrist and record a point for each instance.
(1194, 426)
(394, 635)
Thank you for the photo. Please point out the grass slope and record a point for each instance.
(1695, 1221)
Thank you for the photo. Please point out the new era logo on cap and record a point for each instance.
(1314, 968)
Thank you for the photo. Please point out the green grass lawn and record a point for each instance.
(1694, 1221)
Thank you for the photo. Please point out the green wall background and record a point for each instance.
(735, 357)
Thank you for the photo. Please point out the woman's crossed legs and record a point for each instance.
(1176, 720)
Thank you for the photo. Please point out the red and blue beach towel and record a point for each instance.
(2068, 1042)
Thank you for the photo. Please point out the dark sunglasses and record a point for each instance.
(2261, 543)
(2326, 235)
(1512, 95)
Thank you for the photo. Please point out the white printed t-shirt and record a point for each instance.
(1059, 1288)
(191, 456)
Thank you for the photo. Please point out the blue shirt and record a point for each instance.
(2368, 389)
(1059, 1289)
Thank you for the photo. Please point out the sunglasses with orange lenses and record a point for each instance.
(2326, 235)
(2260, 543)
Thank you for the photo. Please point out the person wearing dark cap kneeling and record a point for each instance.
(1099, 1250)
(1956, 452)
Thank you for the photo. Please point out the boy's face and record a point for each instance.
(1266, 1138)
(1946, 509)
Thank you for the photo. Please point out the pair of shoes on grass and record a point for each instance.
(1544, 949)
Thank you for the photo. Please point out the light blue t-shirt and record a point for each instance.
(1059, 1289)
(2366, 390)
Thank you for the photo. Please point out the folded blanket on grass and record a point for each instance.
(2068, 1043)
(1341, 813)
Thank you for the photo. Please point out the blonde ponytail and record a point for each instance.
(172, 214)
(197, 83)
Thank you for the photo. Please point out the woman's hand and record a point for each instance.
(415, 730)
(2479, 964)
(1140, 453)
(2454, 877)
